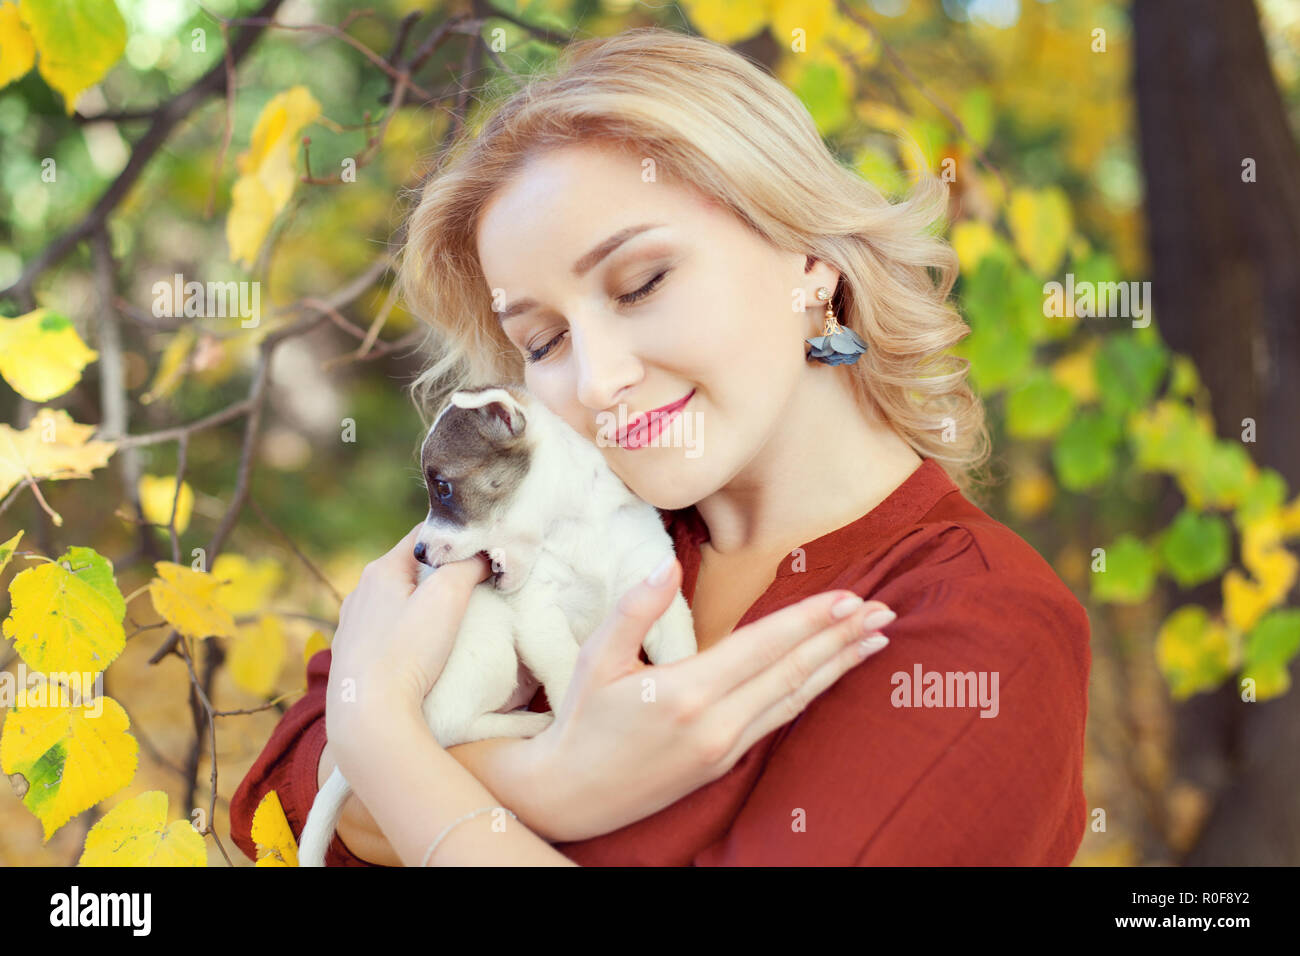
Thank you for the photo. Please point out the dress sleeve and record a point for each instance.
(870, 775)
(288, 765)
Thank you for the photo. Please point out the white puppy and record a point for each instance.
(567, 539)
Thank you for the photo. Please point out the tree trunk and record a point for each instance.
(1226, 284)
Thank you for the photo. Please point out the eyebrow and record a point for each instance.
(584, 264)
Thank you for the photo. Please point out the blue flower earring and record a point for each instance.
(838, 344)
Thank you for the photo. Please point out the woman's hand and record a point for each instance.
(630, 739)
(392, 641)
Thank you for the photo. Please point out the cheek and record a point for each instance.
(557, 394)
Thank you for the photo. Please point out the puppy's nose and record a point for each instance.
(420, 550)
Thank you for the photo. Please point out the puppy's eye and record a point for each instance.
(442, 489)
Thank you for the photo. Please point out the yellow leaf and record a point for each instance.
(1194, 652)
(728, 21)
(70, 757)
(7, 551)
(1275, 570)
(1030, 494)
(1244, 601)
(1077, 372)
(881, 116)
(1260, 536)
(972, 239)
(249, 586)
(272, 834)
(17, 52)
(189, 601)
(856, 42)
(59, 622)
(51, 446)
(171, 366)
(257, 654)
(79, 41)
(136, 833)
(1267, 559)
(993, 188)
(1290, 518)
(315, 644)
(156, 493)
(1040, 222)
(813, 17)
(267, 176)
(41, 354)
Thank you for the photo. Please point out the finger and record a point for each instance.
(750, 650)
(786, 676)
(615, 648)
(400, 557)
(435, 610)
(448, 587)
(785, 709)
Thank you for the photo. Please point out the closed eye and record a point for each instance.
(644, 291)
(536, 355)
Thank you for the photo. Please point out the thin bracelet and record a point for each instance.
(449, 827)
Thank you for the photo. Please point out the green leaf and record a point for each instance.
(976, 114)
(1183, 378)
(1096, 267)
(1128, 372)
(999, 357)
(1084, 454)
(1218, 477)
(1026, 304)
(1195, 547)
(878, 168)
(822, 91)
(1129, 575)
(985, 297)
(1039, 409)
(1269, 648)
(1167, 437)
(97, 571)
(537, 13)
(78, 41)
(1262, 494)
(54, 322)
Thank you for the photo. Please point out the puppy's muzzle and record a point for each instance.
(422, 555)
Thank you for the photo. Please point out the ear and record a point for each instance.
(502, 414)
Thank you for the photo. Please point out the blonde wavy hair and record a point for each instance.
(737, 134)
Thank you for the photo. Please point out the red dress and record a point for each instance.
(891, 765)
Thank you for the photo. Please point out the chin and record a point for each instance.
(670, 488)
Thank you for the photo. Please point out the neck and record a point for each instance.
(826, 463)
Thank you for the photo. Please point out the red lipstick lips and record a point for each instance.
(644, 429)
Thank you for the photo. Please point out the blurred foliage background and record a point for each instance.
(1170, 526)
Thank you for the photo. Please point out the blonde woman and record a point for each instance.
(650, 228)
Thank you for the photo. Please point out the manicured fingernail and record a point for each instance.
(877, 619)
(660, 574)
(846, 606)
(869, 645)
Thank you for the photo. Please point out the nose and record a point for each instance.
(420, 551)
(605, 368)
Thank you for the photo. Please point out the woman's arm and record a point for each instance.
(500, 762)
(613, 755)
(414, 789)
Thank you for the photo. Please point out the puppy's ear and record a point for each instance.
(501, 413)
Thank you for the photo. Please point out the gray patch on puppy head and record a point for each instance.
(478, 446)
(503, 410)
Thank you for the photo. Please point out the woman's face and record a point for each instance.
(689, 303)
